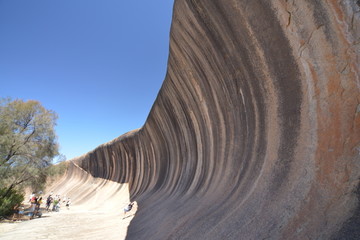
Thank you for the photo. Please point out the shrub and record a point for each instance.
(8, 202)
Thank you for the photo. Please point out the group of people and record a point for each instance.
(56, 202)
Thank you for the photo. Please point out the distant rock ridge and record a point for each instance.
(255, 133)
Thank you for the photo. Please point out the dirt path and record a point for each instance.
(70, 224)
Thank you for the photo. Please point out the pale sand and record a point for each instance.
(96, 212)
(70, 224)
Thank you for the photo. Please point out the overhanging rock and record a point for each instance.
(255, 131)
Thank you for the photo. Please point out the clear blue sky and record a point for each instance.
(99, 64)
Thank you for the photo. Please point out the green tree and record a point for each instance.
(8, 202)
(28, 143)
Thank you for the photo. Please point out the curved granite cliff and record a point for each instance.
(255, 133)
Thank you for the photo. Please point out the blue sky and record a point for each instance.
(98, 64)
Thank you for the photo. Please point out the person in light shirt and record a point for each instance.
(128, 208)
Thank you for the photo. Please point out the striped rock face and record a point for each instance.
(255, 133)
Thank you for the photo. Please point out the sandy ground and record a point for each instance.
(96, 212)
(70, 224)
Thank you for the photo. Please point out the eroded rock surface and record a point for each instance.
(255, 131)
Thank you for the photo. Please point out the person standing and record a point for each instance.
(128, 208)
(68, 203)
(49, 200)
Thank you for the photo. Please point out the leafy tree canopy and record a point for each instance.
(28, 142)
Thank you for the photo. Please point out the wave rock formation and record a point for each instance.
(255, 131)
